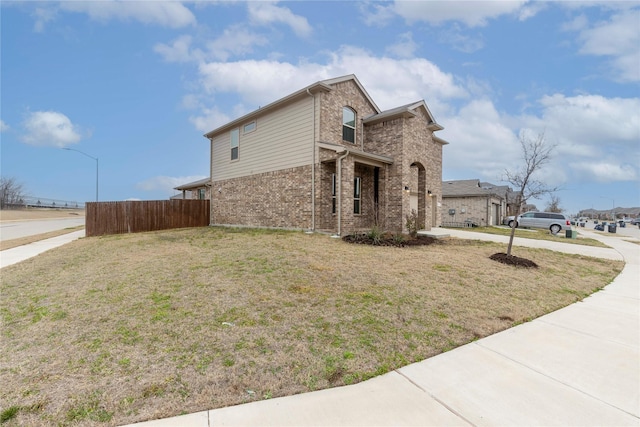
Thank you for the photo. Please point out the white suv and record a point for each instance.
(551, 221)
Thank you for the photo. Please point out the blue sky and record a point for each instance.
(137, 84)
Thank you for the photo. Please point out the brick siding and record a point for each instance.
(271, 199)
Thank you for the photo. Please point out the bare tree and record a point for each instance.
(554, 205)
(11, 192)
(536, 153)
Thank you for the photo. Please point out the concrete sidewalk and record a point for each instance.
(577, 366)
(21, 253)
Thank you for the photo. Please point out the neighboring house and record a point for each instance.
(473, 203)
(200, 190)
(512, 204)
(326, 158)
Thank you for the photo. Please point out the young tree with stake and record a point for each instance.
(536, 153)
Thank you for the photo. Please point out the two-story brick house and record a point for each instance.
(326, 158)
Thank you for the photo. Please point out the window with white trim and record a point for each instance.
(357, 195)
(249, 127)
(235, 143)
(333, 193)
(348, 125)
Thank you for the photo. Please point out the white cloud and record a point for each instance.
(3, 126)
(617, 38)
(43, 15)
(471, 13)
(390, 82)
(178, 51)
(209, 119)
(166, 183)
(266, 13)
(377, 14)
(455, 37)
(50, 129)
(479, 141)
(172, 14)
(596, 139)
(404, 48)
(592, 120)
(604, 171)
(235, 40)
(578, 23)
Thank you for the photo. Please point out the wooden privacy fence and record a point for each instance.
(136, 216)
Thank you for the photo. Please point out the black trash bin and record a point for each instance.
(612, 228)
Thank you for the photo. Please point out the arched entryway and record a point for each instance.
(418, 193)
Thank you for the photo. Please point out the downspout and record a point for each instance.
(313, 165)
(339, 189)
(211, 181)
(488, 213)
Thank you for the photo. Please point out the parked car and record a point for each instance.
(635, 221)
(554, 222)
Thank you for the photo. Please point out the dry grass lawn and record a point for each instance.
(118, 329)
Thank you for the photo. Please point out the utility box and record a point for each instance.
(572, 234)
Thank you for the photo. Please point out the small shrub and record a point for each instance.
(412, 223)
(398, 239)
(375, 235)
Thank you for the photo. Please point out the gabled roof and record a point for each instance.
(469, 188)
(406, 111)
(321, 86)
(194, 184)
(357, 82)
(497, 189)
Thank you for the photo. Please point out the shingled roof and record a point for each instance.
(472, 188)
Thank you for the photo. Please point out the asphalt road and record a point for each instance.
(629, 230)
(17, 229)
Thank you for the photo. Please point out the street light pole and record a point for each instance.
(613, 207)
(91, 157)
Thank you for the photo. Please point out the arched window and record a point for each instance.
(348, 125)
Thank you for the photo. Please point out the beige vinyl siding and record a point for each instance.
(282, 139)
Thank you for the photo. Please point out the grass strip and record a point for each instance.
(14, 243)
(539, 235)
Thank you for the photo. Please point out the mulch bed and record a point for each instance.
(404, 240)
(390, 240)
(513, 260)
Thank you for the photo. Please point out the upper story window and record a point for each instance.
(348, 125)
(235, 143)
(249, 127)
